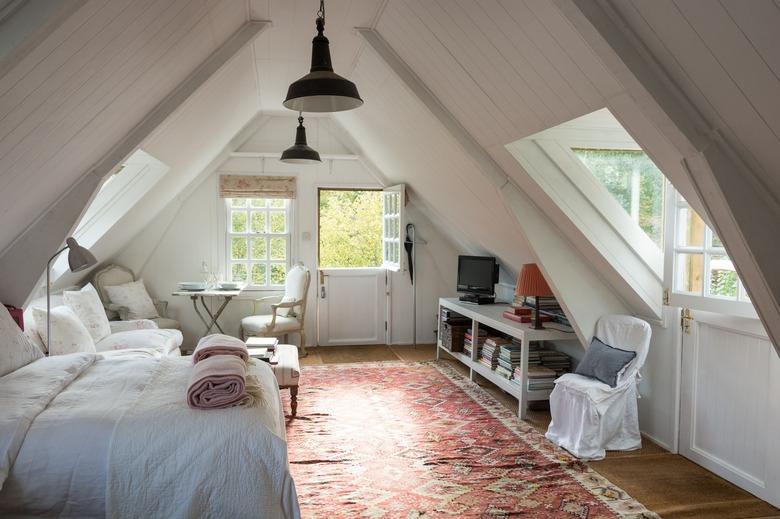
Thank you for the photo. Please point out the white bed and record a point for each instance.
(83, 435)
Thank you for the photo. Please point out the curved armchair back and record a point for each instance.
(627, 333)
(296, 288)
(109, 276)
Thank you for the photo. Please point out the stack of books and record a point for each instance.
(539, 378)
(468, 341)
(557, 361)
(508, 359)
(519, 314)
(263, 348)
(549, 308)
(490, 351)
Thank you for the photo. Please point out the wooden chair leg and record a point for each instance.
(294, 399)
(303, 343)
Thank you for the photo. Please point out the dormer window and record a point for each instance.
(634, 181)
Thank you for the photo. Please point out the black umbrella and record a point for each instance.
(409, 245)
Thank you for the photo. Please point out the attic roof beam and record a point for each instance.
(26, 256)
(581, 291)
(740, 206)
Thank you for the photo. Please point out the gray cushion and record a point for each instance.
(603, 362)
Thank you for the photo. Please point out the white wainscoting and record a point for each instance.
(729, 410)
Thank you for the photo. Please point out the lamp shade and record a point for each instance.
(531, 282)
(322, 90)
(79, 258)
(300, 152)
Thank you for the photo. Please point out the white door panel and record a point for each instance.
(727, 406)
(352, 306)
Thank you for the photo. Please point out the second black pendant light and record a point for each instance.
(300, 152)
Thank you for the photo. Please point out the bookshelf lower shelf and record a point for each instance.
(512, 388)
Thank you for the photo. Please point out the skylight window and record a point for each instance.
(634, 181)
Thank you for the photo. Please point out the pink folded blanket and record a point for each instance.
(218, 382)
(219, 344)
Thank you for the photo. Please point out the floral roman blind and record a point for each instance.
(250, 186)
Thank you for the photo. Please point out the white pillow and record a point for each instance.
(135, 298)
(87, 306)
(16, 349)
(69, 335)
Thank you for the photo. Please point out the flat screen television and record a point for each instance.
(477, 274)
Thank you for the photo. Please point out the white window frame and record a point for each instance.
(267, 235)
(741, 306)
(393, 227)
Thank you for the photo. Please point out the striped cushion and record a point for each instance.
(288, 370)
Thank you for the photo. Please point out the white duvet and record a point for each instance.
(86, 436)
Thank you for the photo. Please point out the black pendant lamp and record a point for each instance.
(322, 90)
(300, 152)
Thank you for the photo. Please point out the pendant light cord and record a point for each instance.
(300, 118)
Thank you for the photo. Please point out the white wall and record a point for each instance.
(194, 234)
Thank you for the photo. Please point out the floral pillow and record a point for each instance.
(16, 349)
(87, 306)
(135, 298)
(69, 335)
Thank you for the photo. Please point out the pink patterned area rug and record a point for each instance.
(419, 440)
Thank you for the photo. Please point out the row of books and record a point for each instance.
(468, 341)
(503, 355)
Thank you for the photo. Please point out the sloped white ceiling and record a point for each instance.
(186, 144)
(504, 68)
(64, 104)
(410, 146)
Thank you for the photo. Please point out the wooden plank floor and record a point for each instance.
(666, 483)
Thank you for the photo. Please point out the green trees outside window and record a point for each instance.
(350, 228)
(634, 181)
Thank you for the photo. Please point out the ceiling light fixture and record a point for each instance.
(322, 90)
(300, 152)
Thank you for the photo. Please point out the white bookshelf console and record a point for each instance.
(490, 316)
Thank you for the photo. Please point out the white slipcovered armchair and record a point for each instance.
(287, 316)
(588, 416)
(113, 275)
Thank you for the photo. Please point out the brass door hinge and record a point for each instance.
(666, 297)
(685, 320)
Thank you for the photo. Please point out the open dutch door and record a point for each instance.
(360, 240)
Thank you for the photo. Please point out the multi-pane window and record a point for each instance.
(701, 265)
(392, 206)
(634, 181)
(258, 235)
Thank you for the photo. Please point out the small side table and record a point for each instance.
(228, 295)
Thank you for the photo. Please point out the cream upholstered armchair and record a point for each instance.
(113, 275)
(287, 316)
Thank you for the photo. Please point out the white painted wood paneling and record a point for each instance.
(66, 102)
(727, 422)
(706, 52)
(409, 146)
(504, 69)
(353, 309)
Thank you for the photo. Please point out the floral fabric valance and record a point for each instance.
(250, 186)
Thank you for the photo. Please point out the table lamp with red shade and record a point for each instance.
(531, 282)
